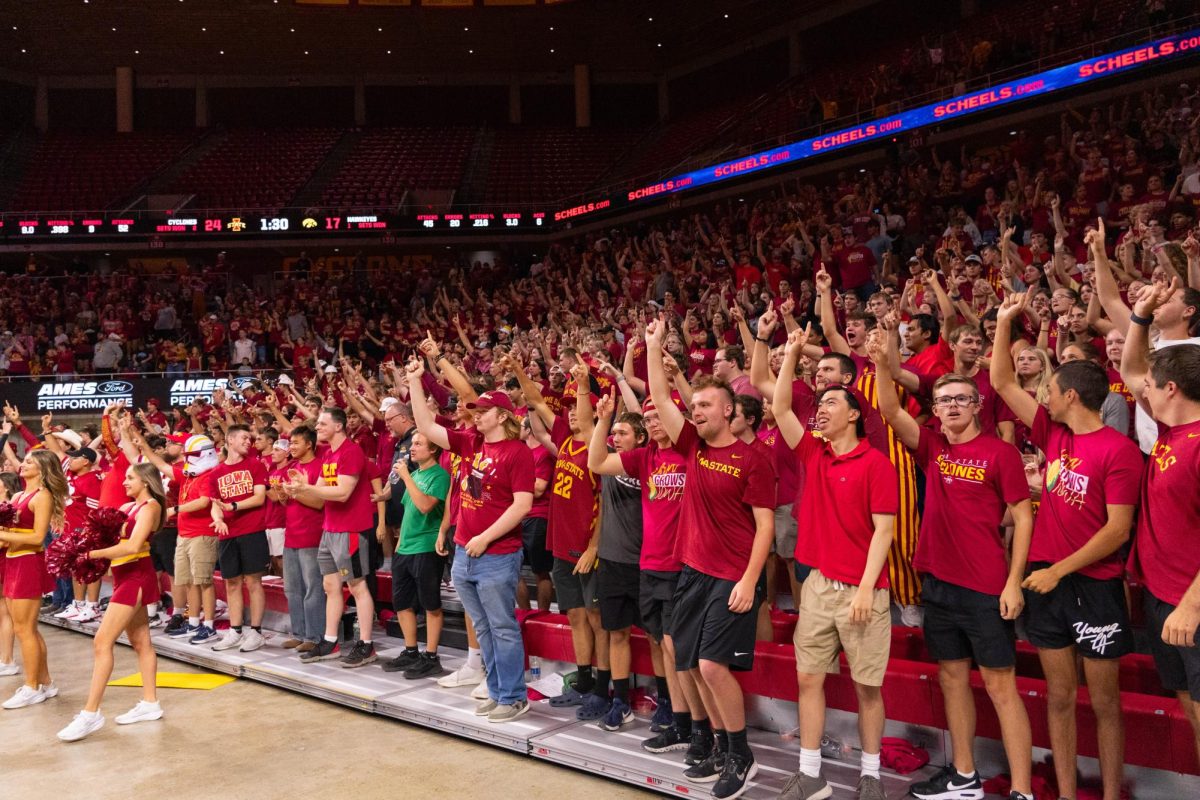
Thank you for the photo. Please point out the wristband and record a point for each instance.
(176, 508)
(233, 505)
(1136, 320)
(760, 339)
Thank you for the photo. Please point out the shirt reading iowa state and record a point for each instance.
(1166, 550)
(716, 520)
(663, 475)
(1084, 473)
(235, 483)
(968, 488)
(491, 473)
(574, 499)
(356, 513)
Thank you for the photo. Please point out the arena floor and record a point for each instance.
(275, 742)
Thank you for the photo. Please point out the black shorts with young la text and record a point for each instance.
(1089, 613)
(1178, 667)
(705, 628)
(656, 600)
(961, 624)
(618, 588)
(248, 554)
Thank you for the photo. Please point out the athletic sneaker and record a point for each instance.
(618, 714)
(427, 666)
(594, 707)
(486, 707)
(708, 770)
(142, 712)
(177, 626)
(229, 640)
(949, 785)
(403, 662)
(205, 635)
(806, 787)
(912, 616)
(252, 640)
(480, 692)
(463, 676)
(10, 668)
(664, 716)
(156, 621)
(88, 613)
(699, 747)
(570, 697)
(24, 696)
(735, 774)
(509, 712)
(85, 724)
(48, 691)
(186, 632)
(69, 612)
(359, 655)
(665, 741)
(870, 788)
(324, 650)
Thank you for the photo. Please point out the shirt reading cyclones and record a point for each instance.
(716, 519)
(574, 499)
(1165, 554)
(491, 473)
(356, 513)
(1084, 473)
(840, 494)
(967, 490)
(234, 484)
(663, 475)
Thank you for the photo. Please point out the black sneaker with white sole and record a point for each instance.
(428, 666)
(668, 739)
(709, 770)
(699, 747)
(403, 662)
(949, 785)
(359, 655)
(325, 650)
(177, 626)
(736, 772)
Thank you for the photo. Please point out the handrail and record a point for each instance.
(49, 377)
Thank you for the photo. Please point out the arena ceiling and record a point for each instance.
(279, 37)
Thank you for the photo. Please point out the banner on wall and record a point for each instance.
(83, 396)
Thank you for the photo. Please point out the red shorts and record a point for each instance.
(25, 576)
(133, 577)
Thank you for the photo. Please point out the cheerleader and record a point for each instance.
(25, 579)
(10, 484)
(135, 586)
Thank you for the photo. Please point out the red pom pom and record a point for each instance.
(67, 555)
(8, 515)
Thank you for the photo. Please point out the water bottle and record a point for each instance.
(535, 668)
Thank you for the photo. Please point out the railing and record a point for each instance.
(264, 375)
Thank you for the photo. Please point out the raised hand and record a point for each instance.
(877, 348)
(655, 332)
(788, 305)
(607, 404)
(1153, 296)
(798, 339)
(580, 371)
(1012, 307)
(767, 323)
(823, 280)
(415, 368)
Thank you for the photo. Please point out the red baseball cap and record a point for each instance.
(178, 438)
(492, 399)
(150, 400)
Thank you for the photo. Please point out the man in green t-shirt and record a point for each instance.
(418, 568)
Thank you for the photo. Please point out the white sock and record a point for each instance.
(152, 610)
(89, 604)
(194, 622)
(331, 639)
(474, 658)
(810, 762)
(965, 777)
(90, 714)
(870, 764)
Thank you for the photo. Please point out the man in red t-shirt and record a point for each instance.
(848, 508)
(304, 518)
(343, 553)
(1166, 553)
(83, 481)
(196, 549)
(726, 525)
(1076, 591)
(238, 512)
(971, 590)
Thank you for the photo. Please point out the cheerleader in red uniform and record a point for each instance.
(10, 485)
(135, 586)
(39, 508)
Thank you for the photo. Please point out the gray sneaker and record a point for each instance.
(806, 787)
(870, 788)
(507, 713)
(485, 708)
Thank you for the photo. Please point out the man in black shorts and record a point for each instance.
(726, 525)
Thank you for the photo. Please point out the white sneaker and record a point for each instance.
(142, 712)
(24, 697)
(49, 691)
(229, 640)
(86, 614)
(480, 692)
(463, 676)
(251, 640)
(84, 724)
(70, 612)
(912, 616)
(157, 621)
(10, 668)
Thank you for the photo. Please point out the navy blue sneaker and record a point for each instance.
(205, 635)
(618, 714)
(569, 697)
(664, 716)
(186, 632)
(594, 707)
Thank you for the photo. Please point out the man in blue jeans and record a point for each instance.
(301, 536)
(497, 493)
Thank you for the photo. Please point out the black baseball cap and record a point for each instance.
(84, 452)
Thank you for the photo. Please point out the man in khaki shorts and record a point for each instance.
(196, 551)
(848, 512)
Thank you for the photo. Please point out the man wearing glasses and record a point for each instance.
(972, 593)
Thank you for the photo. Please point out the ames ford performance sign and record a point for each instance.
(83, 395)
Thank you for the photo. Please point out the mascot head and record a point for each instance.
(199, 455)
